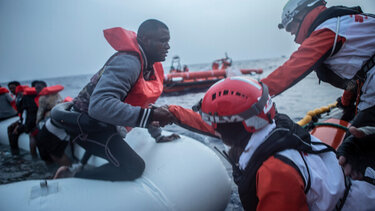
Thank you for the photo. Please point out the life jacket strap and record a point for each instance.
(340, 203)
(362, 73)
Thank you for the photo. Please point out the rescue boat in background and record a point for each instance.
(188, 81)
(180, 79)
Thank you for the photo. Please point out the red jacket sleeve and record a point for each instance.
(191, 120)
(312, 52)
(280, 187)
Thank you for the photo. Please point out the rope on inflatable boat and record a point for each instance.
(309, 115)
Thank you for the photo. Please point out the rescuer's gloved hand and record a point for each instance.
(356, 154)
(348, 110)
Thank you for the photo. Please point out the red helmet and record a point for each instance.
(238, 99)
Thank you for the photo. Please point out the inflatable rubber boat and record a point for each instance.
(180, 175)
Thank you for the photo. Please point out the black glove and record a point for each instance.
(348, 111)
(359, 153)
(339, 103)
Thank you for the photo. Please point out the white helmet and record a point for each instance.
(293, 7)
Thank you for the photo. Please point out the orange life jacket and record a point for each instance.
(32, 91)
(303, 30)
(68, 99)
(3, 90)
(21, 88)
(51, 90)
(29, 91)
(143, 92)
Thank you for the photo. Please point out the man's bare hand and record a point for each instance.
(162, 116)
(169, 138)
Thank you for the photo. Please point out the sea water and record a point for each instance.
(306, 95)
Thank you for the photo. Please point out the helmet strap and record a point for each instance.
(269, 117)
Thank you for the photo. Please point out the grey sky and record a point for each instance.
(48, 38)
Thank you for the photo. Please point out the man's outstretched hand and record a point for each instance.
(169, 138)
(355, 155)
(162, 116)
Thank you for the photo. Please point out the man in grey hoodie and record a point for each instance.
(119, 95)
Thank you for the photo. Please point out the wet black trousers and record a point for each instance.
(123, 162)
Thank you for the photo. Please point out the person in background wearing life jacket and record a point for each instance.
(49, 97)
(186, 68)
(277, 165)
(6, 109)
(13, 86)
(226, 62)
(120, 95)
(338, 43)
(29, 104)
(51, 140)
(16, 128)
(215, 65)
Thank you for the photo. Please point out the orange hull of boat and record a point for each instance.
(331, 135)
(196, 75)
(182, 81)
(251, 71)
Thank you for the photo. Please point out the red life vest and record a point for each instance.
(21, 88)
(29, 91)
(32, 91)
(303, 30)
(51, 90)
(143, 92)
(3, 90)
(68, 99)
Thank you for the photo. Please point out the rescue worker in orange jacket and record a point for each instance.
(277, 165)
(338, 43)
(119, 95)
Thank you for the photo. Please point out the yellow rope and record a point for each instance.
(317, 111)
